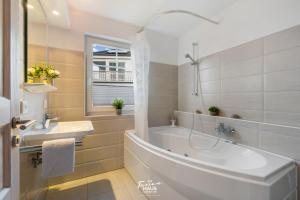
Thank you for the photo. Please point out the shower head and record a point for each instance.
(192, 59)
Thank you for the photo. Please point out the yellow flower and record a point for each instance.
(31, 70)
(56, 72)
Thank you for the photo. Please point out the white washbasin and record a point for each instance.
(59, 130)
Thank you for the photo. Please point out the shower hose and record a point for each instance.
(197, 147)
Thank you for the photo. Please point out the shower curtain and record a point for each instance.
(141, 60)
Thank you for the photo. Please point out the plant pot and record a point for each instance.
(49, 81)
(119, 111)
(37, 80)
(214, 113)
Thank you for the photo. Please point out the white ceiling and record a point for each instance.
(139, 12)
(37, 15)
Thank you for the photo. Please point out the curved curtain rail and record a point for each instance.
(176, 11)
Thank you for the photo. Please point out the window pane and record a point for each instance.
(112, 64)
(112, 75)
(121, 64)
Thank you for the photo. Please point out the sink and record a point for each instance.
(58, 130)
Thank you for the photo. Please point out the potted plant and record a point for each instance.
(42, 73)
(213, 110)
(118, 104)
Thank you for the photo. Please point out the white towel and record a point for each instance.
(58, 157)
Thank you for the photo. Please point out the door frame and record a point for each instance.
(6, 90)
(11, 82)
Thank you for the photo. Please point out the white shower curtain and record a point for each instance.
(141, 58)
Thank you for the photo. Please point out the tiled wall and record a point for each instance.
(258, 80)
(103, 150)
(163, 93)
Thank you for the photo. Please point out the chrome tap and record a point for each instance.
(227, 131)
(47, 119)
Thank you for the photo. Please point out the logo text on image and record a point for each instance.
(149, 188)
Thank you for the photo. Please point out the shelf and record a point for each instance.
(39, 87)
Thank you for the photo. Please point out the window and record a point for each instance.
(108, 74)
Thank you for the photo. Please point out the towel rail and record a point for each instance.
(38, 148)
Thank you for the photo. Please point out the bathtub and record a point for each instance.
(175, 171)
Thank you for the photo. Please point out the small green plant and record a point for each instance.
(118, 104)
(213, 109)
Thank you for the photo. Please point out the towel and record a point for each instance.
(58, 157)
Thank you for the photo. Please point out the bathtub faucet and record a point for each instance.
(225, 130)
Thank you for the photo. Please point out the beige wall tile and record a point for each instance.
(66, 56)
(104, 126)
(69, 85)
(98, 153)
(69, 71)
(101, 140)
(62, 100)
(36, 53)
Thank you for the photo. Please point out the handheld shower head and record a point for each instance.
(192, 59)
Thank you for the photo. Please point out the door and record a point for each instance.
(9, 98)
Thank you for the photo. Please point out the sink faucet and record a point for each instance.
(228, 131)
(47, 119)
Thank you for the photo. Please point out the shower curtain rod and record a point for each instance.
(176, 11)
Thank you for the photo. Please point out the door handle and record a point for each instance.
(23, 124)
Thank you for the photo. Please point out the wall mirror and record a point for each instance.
(40, 16)
(36, 36)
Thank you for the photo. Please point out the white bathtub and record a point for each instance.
(227, 172)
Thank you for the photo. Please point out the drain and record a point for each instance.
(186, 155)
(169, 150)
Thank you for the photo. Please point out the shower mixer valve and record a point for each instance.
(225, 130)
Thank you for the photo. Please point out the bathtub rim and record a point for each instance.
(212, 168)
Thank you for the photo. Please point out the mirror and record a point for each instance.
(36, 33)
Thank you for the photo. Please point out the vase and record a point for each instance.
(37, 80)
(214, 113)
(49, 81)
(119, 111)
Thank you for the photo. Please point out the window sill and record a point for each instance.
(106, 116)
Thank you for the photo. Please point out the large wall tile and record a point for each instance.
(69, 85)
(243, 52)
(211, 86)
(252, 115)
(282, 101)
(281, 140)
(163, 92)
(210, 74)
(98, 153)
(243, 68)
(283, 81)
(69, 71)
(62, 100)
(283, 118)
(283, 60)
(36, 54)
(210, 61)
(251, 101)
(282, 40)
(66, 56)
(242, 84)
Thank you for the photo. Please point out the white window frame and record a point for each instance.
(91, 39)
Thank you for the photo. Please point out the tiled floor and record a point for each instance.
(114, 185)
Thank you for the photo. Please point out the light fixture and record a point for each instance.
(55, 12)
(29, 6)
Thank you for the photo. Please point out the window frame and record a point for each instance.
(89, 40)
